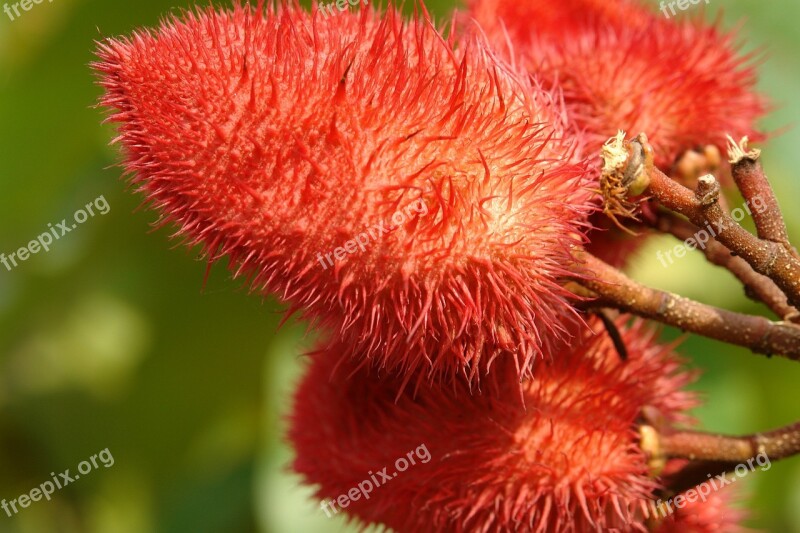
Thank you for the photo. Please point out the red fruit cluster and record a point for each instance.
(290, 142)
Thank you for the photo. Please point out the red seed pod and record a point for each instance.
(567, 461)
(682, 82)
(414, 196)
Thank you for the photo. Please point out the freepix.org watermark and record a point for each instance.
(701, 238)
(683, 5)
(704, 489)
(360, 242)
(341, 5)
(48, 488)
(43, 241)
(365, 488)
(26, 5)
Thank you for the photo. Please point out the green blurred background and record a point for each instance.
(111, 340)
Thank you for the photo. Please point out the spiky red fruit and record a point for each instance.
(681, 82)
(569, 461)
(277, 137)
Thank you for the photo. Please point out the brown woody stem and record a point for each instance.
(613, 289)
(757, 286)
(766, 257)
(753, 184)
(694, 445)
(711, 454)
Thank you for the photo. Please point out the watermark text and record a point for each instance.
(43, 241)
(360, 242)
(701, 238)
(48, 488)
(365, 488)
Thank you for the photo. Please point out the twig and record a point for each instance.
(613, 333)
(712, 454)
(757, 286)
(702, 207)
(753, 184)
(612, 288)
(693, 445)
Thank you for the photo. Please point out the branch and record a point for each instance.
(752, 182)
(713, 454)
(613, 289)
(766, 257)
(693, 445)
(629, 163)
(757, 286)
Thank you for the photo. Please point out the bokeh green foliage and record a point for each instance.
(113, 339)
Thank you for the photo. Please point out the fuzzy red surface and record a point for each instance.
(623, 66)
(280, 137)
(683, 81)
(569, 461)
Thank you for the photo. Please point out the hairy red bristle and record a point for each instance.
(682, 84)
(277, 137)
(517, 23)
(622, 67)
(567, 461)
